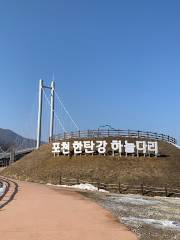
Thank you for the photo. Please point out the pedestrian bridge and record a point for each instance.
(7, 157)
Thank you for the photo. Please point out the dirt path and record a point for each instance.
(41, 213)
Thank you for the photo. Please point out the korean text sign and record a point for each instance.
(103, 147)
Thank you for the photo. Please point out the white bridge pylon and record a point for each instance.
(39, 127)
(53, 114)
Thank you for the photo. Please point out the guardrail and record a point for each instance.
(113, 133)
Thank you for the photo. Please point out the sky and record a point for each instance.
(114, 62)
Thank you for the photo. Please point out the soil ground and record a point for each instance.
(42, 213)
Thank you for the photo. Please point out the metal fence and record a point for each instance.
(113, 133)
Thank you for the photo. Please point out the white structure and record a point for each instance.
(41, 88)
(89, 147)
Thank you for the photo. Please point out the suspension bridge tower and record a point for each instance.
(40, 105)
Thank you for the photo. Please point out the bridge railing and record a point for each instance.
(113, 133)
(16, 152)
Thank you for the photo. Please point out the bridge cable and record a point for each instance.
(54, 112)
(62, 104)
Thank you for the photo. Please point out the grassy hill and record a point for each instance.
(42, 166)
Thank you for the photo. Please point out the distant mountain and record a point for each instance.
(10, 139)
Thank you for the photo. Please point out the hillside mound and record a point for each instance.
(42, 166)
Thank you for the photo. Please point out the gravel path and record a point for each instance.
(152, 218)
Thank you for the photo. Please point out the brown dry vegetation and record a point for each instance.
(42, 166)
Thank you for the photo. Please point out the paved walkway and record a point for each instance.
(39, 212)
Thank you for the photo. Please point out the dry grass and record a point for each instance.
(41, 166)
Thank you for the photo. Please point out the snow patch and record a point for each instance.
(172, 200)
(82, 186)
(156, 223)
(176, 145)
(135, 200)
(2, 190)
